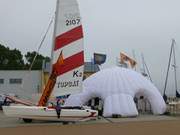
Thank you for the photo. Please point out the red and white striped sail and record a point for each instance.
(69, 46)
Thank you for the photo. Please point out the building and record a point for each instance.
(90, 68)
(20, 82)
(46, 69)
(25, 83)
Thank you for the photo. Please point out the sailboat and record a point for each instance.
(67, 71)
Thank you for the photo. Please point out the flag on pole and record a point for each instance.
(99, 58)
(124, 58)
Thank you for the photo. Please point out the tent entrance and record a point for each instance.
(96, 104)
(142, 104)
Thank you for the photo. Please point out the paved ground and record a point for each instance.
(15, 122)
(141, 125)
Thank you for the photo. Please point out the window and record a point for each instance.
(1, 81)
(15, 81)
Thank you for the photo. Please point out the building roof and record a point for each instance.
(91, 67)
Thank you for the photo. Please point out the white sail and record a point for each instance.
(68, 44)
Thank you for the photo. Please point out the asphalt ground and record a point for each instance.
(141, 125)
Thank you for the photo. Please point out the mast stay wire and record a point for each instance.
(41, 43)
(37, 52)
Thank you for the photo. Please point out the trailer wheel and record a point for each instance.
(27, 120)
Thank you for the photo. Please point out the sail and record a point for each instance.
(68, 48)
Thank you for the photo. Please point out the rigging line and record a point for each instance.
(143, 65)
(149, 75)
(41, 43)
(177, 52)
(39, 47)
(107, 119)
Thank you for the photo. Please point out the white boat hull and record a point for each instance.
(49, 114)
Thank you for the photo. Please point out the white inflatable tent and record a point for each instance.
(117, 88)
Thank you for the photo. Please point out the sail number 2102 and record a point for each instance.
(73, 22)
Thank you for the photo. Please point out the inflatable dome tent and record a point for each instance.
(117, 87)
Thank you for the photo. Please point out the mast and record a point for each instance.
(167, 74)
(175, 71)
(54, 33)
(174, 66)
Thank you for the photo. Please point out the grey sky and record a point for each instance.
(110, 26)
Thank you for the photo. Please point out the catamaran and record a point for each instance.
(67, 71)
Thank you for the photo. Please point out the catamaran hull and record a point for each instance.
(49, 114)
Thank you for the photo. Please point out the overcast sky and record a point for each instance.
(110, 26)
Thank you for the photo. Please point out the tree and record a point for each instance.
(3, 58)
(14, 60)
(10, 59)
(37, 65)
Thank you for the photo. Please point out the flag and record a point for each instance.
(124, 58)
(60, 60)
(99, 58)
